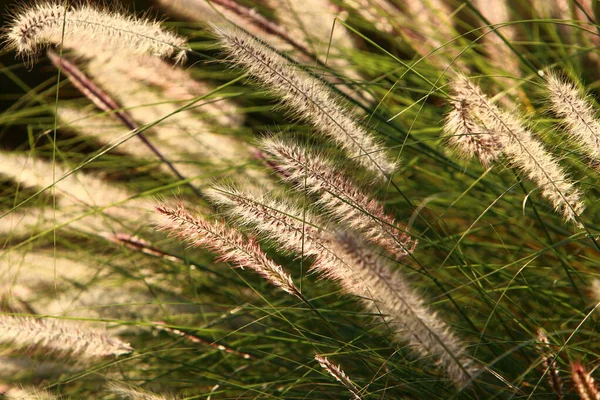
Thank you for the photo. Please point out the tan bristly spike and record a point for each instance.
(468, 135)
(130, 392)
(227, 242)
(307, 97)
(359, 270)
(577, 111)
(521, 148)
(34, 27)
(347, 203)
(22, 393)
(338, 373)
(61, 337)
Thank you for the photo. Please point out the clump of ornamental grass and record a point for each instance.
(335, 268)
(359, 270)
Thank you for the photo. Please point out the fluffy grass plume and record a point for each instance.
(359, 270)
(338, 373)
(498, 257)
(60, 337)
(227, 242)
(21, 393)
(344, 200)
(56, 23)
(577, 111)
(517, 143)
(308, 97)
(130, 392)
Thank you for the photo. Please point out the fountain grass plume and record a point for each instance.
(577, 111)
(518, 144)
(35, 26)
(339, 195)
(307, 96)
(338, 373)
(358, 269)
(229, 243)
(61, 337)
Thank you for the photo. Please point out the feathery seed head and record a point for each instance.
(523, 150)
(131, 392)
(577, 112)
(227, 242)
(338, 373)
(84, 26)
(296, 230)
(306, 96)
(386, 292)
(467, 134)
(338, 194)
(21, 393)
(60, 336)
(586, 386)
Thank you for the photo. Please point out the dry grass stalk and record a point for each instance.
(577, 112)
(346, 202)
(307, 96)
(229, 243)
(195, 339)
(60, 337)
(520, 146)
(35, 26)
(583, 382)
(338, 373)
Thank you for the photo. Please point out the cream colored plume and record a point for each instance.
(308, 97)
(56, 23)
